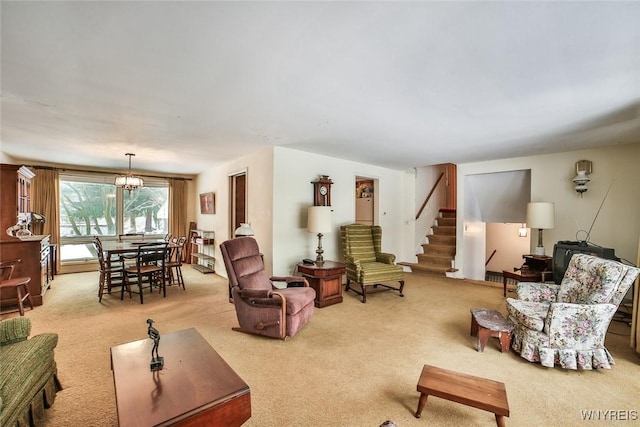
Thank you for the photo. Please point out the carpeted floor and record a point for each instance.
(354, 364)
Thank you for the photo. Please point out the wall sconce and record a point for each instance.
(244, 230)
(581, 181)
(523, 231)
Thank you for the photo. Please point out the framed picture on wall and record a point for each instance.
(207, 203)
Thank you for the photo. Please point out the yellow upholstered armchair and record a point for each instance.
(367, 265)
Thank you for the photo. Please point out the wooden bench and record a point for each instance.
(466, 389)
(486, 323)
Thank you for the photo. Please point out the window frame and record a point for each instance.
(108, 179)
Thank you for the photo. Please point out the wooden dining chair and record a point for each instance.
(111, 271)
(174, 262)
(18, 284)
(149, 270)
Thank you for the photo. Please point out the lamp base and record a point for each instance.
(539, 250)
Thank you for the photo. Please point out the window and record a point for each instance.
(91, 205)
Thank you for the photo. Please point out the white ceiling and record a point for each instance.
(186, 85)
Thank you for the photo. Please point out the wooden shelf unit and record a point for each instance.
(203, 256)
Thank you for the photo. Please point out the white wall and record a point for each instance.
(259, 169)
(293, 193)
(618, 225)
(509, 247)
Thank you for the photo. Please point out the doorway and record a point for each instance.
(238, 205)
(365, 195)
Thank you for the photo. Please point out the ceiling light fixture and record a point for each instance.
(128, 181)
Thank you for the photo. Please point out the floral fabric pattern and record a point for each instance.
(534, 291)
(589, 280)
(528, 313)
(566, 325)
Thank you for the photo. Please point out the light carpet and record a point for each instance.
(354, 364)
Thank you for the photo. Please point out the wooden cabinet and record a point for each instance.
(326, 280)
(34, 253)
(203, 256)
(15, 197)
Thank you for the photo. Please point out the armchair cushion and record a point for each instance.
(262, 308)
(28, 373)
(534, 291)
(360, 244)
(589, 280)
(528, 313)
(566, 325)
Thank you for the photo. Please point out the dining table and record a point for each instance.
(114, 247)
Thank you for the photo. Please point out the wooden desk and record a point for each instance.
(195, 388)
(326, 279)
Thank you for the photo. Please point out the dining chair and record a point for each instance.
(174, 262)
(149, 270)
(18, 284)
(111, 272)
(130, 236)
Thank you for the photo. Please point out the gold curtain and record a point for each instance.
(635, 319)
(177, 207)
(44, 199)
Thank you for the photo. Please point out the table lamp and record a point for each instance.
(319, 221)
(540, 215)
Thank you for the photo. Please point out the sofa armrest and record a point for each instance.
(14, 330)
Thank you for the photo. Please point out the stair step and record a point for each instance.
(448, 213)
(421, 269)
(449, 222)
(434, 260)
(432, 249)
(445, 240)
(444, 230)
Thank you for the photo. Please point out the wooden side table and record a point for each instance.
(326, 279)
(536, 268)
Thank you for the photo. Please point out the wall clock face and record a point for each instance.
(323, 190)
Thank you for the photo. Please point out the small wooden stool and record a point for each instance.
(22, 291)
(466, 389)
(486, 323)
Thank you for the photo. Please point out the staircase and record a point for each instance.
(441, 249)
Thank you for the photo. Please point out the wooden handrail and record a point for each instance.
(489, 260)
(429, 195)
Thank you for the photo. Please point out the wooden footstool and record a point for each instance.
(472, 391)
(486, 323)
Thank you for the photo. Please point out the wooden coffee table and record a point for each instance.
(196, 387)
(472, 391)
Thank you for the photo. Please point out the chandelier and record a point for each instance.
(128, 181)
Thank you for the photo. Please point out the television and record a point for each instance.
(564, 250)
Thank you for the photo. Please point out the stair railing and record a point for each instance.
(429, 195)
(491, 256)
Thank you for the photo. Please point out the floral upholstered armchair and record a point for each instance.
(566, 324)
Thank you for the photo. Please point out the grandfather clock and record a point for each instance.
(322, 191)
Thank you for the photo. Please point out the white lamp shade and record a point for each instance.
(540, 215)
(319, 219)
